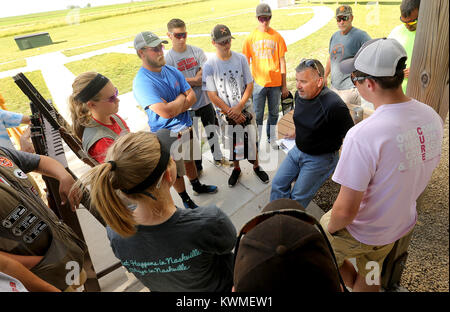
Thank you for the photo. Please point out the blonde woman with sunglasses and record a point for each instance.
(94, 104)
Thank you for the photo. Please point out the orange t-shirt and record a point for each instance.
(263, 51)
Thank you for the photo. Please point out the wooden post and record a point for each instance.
(428, 82)
(429, 74)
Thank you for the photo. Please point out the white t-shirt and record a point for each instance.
(228, 78)
(390, 156)
(10, 284)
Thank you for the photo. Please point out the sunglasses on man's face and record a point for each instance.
(224, 43)
(355, 79)
(263, 19)
(182, 35)
(342, 18)
(301, 215)
(413, 22)
(156, 49)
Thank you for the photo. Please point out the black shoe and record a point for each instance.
(189, 204)
(204, 189)
(234, 177)
(261, 174)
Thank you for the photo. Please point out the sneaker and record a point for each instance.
(189, 204)
(261, 174)
(234, 177)
(222, 162)
(205, 189)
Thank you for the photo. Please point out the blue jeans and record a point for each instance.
(311, 171)
(273, 96)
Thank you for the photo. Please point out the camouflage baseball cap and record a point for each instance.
(344, 10)
(263, 9)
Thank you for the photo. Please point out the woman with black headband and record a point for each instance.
(94, 105)
(165, 247)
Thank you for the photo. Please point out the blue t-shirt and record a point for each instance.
(341, 48)
(8, 120)
(151, 87)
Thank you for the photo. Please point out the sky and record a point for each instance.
(21, 7)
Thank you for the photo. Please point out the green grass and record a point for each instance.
(200, 18)
(11, 26)
(13, 65)
(15, 100)
(119, 68)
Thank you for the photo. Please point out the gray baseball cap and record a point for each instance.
(263, 9)
(377, 57)
(147, 39)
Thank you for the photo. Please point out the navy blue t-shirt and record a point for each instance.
(191, 251)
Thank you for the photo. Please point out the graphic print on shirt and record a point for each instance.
(186, 64)
(337, 53)
(163, 265)
(264, 48)
(419, 145)
(232, 83)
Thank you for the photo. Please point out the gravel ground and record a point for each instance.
(427, 265)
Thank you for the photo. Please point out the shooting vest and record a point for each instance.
(95, 131)
(29, 228)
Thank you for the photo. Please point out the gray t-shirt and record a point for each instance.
(189, 63)
(25, 161)
(341, 48)
(228, 78)
(192, 251)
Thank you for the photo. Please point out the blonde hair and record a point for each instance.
(79, 111)
(136, 156)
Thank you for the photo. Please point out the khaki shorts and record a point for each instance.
(345, 246)
(349, 96)
(186, 150)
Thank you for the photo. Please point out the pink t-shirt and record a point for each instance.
(390, 156)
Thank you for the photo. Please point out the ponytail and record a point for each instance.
(106, 200)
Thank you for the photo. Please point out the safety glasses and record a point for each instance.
(156, 49)
(355, 79)
(342, 18)
(181, 35)
(409, 23)
(224, 43)
(113, 98)
(301, 215)
(263, 19)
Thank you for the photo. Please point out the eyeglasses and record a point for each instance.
(301, 215)
(355, 79)
(263, 19)
(342, 18)
(113, 98)
(409, 23)
(225, 42)
(156, 49)
(180, 35)
(310, 63)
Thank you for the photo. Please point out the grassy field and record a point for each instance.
(15, 100)
(200, 18)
